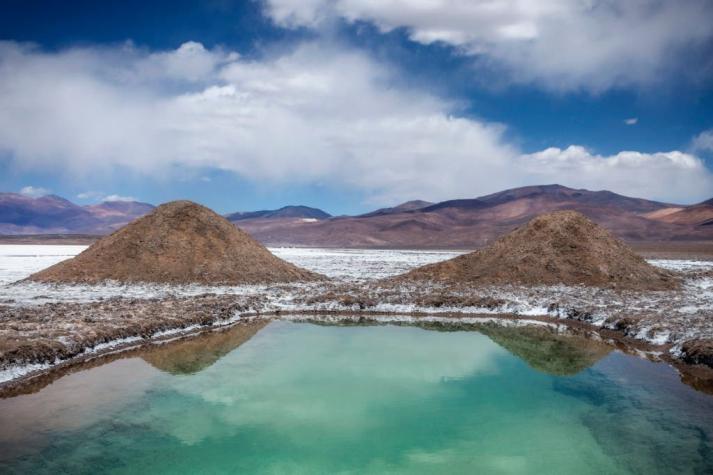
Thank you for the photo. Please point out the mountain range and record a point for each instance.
(51, 214)
(472, 223)
(299, 212)
(461, 223)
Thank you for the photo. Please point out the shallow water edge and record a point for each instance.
(22, 379)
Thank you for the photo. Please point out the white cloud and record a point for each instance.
(562, 44)
(119, 198)
(632, 121)
(99, 196)
(34, 191)
(703, 142)
(684, 177)
(318, 114)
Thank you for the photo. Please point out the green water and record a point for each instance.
(305, 398)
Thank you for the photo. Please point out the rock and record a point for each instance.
(698, 352)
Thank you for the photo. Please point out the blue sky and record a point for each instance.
(349, 105)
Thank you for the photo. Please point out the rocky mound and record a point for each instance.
(563, 247)
(179, 242)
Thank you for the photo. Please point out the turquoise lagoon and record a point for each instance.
(285, 397)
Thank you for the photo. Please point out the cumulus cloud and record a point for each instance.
(632, 121)
(34, 191)
(562, 44)
(316, 114)
(632, 173)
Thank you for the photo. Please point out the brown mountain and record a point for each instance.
(464, 223)
(412, 205)
(562, 247)
(178, 242)
(473, 223)
(700, 214)
(299, 212)
(20, 214)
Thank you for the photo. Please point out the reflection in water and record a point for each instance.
(324, 399)
(195, 354)
(71, 403)
(547, 351)
(80, 398)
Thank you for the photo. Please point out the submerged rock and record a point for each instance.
(563, 247)
(179, 242)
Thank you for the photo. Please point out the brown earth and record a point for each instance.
(700, 214)
(563, 247)
(64, 330)
(179, 242)
(697, 250)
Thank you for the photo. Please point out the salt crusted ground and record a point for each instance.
(42, 324)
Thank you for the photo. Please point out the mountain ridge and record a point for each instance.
(20, 214)
(459, 223)
(474, 222)
(289, 211)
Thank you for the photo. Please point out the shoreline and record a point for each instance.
(698, 376)
(46, 326)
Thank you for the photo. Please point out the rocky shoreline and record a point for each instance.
(41, 339)
(46, 325)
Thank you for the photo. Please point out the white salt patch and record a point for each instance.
(409, 319)
(18, 261)
(174, 331)
(360, 264)
(17, 371)
(682, 265)
(113, 344)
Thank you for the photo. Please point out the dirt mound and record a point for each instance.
(563, 247)
(179, 242)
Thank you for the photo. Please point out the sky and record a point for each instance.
(350, 105)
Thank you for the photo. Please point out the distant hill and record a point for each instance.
(407, 206)
(700, 214)
(474, 222)
(304, 212)
(463, 223)
(20, 214)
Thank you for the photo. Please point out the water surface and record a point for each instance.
(304, 398)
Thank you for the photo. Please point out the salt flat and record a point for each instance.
(658, 317)
(18, 261)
